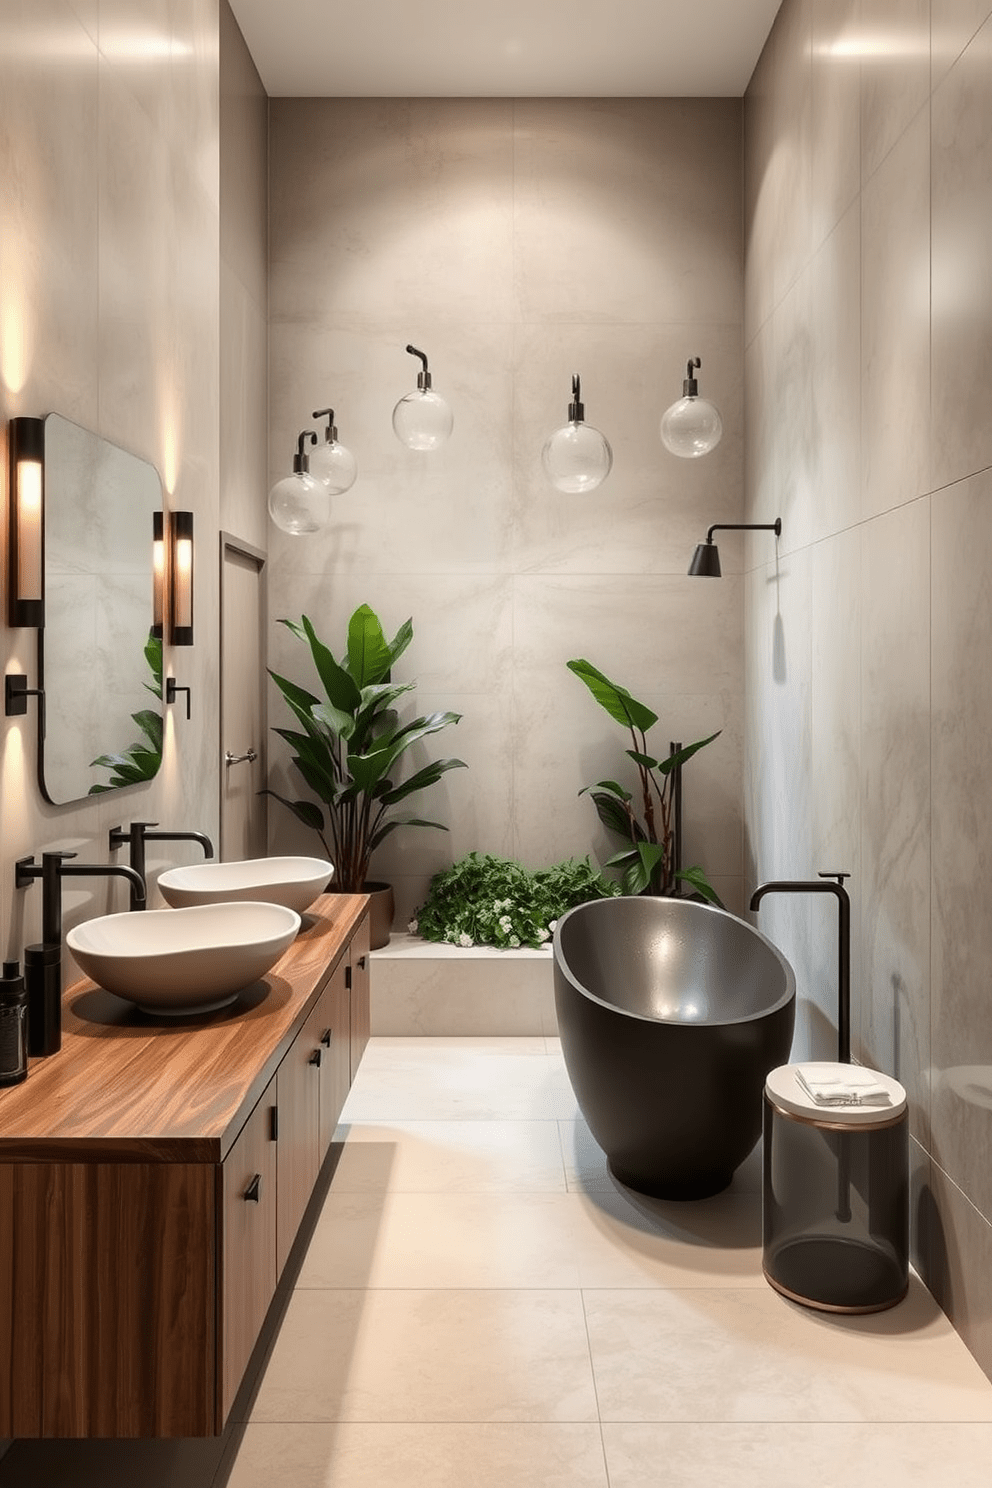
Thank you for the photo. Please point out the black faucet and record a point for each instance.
(52, 869)
(819, 886)
(43, 963)
(138, 833)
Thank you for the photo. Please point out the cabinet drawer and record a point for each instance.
(360, 979)
(248, 1245)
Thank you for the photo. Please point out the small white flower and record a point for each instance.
(505, 923)
(514, 940)
(465, 940)
(552, 925)
(543, 935)
(412, 927)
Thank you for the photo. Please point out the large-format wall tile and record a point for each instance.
(398, 208)
(778, 192)
(895, 808)
(962, 820)
(960, 1264)
(894, 37)
(835, 328)
(835, 125)
(627, 210)
(243, 406)
(244, 121)
(759, 183)
(836, 749)
(49, 253)
(792, 421)
(895, 324)
(952, 25)
(961, 192)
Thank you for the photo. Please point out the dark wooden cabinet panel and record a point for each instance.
(248, 1181)
(360, 980)
(96, 1261)
(336, 1038)
(299, 1115)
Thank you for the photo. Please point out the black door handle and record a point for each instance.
(252, 1193)
(315, 1057)
(325, 1038)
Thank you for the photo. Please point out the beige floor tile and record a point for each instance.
(747, 1355)
(473, 1079)
(429, 1356)
(402, 1240)
(907, 1455)
(357, 1455)
(623, 1239)
(443, 1240)
(449, 1157)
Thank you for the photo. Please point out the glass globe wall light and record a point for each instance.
(577, 458)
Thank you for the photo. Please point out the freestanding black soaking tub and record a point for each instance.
(671, 1015)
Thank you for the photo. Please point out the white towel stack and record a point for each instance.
(841, 1085)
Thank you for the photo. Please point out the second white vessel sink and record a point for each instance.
(181, 961)
(294, 882)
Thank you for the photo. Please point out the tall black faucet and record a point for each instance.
(819, 886)
(54, 866)
(43, 963)
(138, 833)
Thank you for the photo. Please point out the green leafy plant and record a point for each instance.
(491, 901)
(647, 864)
(351, 743)
(141, 760)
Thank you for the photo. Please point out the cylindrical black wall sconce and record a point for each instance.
(181, 579)
(158, 575)
(26, 533)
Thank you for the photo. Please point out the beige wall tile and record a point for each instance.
(962, 716)
(835, 124)
(961, 191)
(953, 23)
(895, 72)
(895, 324)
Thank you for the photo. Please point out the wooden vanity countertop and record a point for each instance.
(128, 1087)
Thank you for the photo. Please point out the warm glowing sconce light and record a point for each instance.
(26, 542)
(181, 579)
(158, 575)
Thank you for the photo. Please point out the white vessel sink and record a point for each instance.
(294, 882)
(180, 961)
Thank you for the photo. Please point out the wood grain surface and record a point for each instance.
(128, 1087)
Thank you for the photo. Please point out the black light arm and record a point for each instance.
(706, 559)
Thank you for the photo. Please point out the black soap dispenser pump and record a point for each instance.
(13, 1025)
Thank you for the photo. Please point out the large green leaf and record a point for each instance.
(646, 760)
(340, 688)
(613, 814)
(615, 699)
(697, 878)
(298, 698)
(340, 723)
(305, 811)
(401, 640)
(401, 821)
(429, 775)
(369, 656)
(666, 766)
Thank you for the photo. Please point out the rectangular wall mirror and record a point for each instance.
(103, 701)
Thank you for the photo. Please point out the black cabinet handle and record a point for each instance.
(274, 1124)
(361, 963)
(252, 1193)
(325, 1038)
(315, 1058)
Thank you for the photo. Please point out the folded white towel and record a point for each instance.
(852, 1087)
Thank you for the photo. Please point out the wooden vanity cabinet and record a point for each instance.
(152, 1180)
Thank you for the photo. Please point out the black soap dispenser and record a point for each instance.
(13, 1025)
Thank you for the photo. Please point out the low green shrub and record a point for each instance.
(488, 901)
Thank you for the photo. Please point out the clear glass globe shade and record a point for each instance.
(299, 504)
(691, 427)
(422, 420)
(335, 466)
(577, 458)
